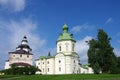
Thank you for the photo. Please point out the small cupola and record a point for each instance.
(24, 41)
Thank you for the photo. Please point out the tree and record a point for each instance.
(115, 69)
(93, 56)
(101, 52)
(96, 68)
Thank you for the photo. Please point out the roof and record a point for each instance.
(85, 66)
(65, 35)
(46, 57)
(20, 52)
(24, 46)
(21, 64)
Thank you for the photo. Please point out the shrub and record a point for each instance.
(29, 70)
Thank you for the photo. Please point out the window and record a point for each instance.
(66, 46)
(48, 62)
(59, 61)
(38, 63)
(43, 69)
(59, 68)
(21, 55)
(43, 62)
(13, 55)
(27, 56)
(48, 69)
(72, 47)
(59, 48)
(74, 61)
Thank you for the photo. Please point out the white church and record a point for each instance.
(66, 60)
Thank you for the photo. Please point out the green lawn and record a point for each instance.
(66, 77)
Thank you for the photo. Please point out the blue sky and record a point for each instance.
(42, 20)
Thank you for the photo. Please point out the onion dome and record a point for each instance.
(24, 45)
(65, 35)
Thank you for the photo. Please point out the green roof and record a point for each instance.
(46, 57)
(85, 66)
(65, 35)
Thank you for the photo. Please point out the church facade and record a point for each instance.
(21, 57)
(66, 61)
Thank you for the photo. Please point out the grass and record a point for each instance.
(8, 76)
(65, 77)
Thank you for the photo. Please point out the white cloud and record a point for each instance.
(82, 27)
(28, 28)
(117, 51)
(109, 20)
(76, 29)
(12, 33)
(82, 48)
(14, 5)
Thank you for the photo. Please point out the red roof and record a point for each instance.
(21, 64)
(20, 52)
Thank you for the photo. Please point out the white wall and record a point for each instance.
(59, 64)
(7, 66)
(63, 47)
(50, 66)
(15, 58)
(46, 65)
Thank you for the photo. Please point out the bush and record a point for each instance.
(30, 70)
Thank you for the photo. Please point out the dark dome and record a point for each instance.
(23, 46)
(21, 52)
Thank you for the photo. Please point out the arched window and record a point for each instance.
(73, 47)
(66, 44)
(48, 69)
(74, 61)
(27, 56)
(21, 55)
(59, 48)
(66, 47)
(48, 62)
(59, 68)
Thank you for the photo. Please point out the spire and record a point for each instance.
(24, 41)
(65, 28)
(49, 54)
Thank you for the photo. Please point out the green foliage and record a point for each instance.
(96, 68)
(116, 67)
(30, 70)
(100, 53)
